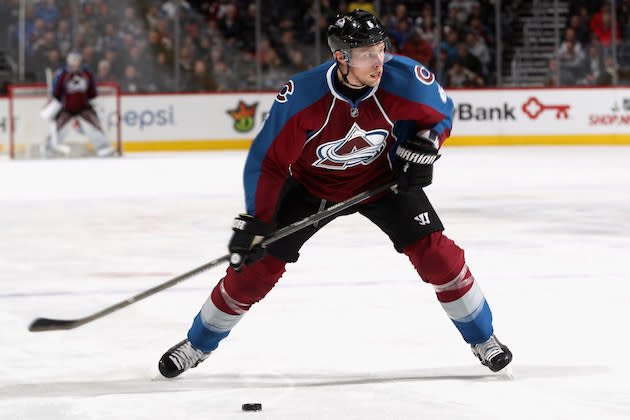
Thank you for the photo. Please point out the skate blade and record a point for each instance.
(506, 373)
(62, 149)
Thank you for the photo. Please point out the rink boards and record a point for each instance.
(554, 116)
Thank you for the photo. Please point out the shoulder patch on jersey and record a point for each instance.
(424, 75)
(286, 90)
(427, 78)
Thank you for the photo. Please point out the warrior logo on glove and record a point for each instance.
(414, 157)
(413, 167)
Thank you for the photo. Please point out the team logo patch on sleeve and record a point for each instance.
(424, 75)
(358, 147)
(286, 90)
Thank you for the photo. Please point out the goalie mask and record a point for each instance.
(361, 38)
(74, 60)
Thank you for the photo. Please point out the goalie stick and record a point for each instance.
(49, 324)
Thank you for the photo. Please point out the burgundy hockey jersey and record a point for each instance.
(74, 89)
(337, 147)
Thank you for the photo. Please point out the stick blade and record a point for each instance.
(47, 324)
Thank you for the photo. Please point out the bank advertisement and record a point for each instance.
(542, 112)
(481, 117)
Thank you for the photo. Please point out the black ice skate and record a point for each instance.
(179, 358)
(492, 354)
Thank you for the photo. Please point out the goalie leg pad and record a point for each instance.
(90, 125)
(53, 141)
(89, 116)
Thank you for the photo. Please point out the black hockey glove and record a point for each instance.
(244, 245)
(413, 167)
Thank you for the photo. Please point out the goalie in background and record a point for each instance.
(73, 94)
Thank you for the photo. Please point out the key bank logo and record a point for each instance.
(243, 116)
(533, 108)
(466, 111)
(358, 147)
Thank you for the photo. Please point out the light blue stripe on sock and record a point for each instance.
(204, 338)
(476, 329)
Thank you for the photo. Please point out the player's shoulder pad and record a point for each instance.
(57, 77)
(303, 89)
(409, 79)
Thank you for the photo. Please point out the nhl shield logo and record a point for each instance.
(358, 147)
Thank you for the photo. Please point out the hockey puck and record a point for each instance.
(252, 407)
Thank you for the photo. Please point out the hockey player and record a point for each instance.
(341, 128)
(73, 94)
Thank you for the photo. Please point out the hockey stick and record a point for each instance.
(48, 324)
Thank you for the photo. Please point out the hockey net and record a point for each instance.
(28, 131)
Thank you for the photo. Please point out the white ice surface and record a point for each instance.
(349, 332)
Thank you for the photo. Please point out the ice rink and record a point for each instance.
(349, 332)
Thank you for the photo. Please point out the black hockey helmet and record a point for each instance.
(356, 30)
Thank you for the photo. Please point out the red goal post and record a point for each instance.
(28, 130)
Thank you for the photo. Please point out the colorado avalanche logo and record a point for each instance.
(424, 75)
(76, 84)
(285, 92)
(358, 147)
(427, 78)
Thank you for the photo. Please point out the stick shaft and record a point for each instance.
(47, 324)
(330, 211)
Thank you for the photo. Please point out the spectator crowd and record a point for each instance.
(179, 45)
(585, 54)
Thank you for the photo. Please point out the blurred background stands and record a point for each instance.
(177, 45)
